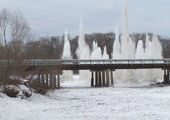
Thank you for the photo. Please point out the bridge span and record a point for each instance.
(101, 69)
(88, 64)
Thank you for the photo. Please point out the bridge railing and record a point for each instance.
(120, 61)
(86, 61)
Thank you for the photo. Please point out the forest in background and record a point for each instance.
(52, 47)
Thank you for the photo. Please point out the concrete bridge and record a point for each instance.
(101, 70)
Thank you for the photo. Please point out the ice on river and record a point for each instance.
(120, 103)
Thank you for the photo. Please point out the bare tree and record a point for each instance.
(20, 33)
(14, 30)
(5, 23)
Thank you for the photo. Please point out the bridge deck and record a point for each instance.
(75, 64)
(86, 61)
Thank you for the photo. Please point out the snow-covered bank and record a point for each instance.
(90, 104)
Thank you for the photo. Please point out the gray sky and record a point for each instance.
(52, 17)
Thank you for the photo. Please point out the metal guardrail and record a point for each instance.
(85, 61)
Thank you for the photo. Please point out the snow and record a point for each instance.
(120, 103)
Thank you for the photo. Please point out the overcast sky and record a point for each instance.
(52, 17)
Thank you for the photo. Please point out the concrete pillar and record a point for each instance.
(96, 79)
(47, 80)
(54, 80)
(111, 76)
(165, 77)
(51, 80)
(92, 78)
(103, 78)
(100, 78)
(58, 78)
(107, 79)
(168, 76)
(97, 85)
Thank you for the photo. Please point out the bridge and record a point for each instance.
(101, 69)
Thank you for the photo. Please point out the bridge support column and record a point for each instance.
(111, 76)
(100, 79)
(96, 79)
(107, 79)
(58, 80)
(51, 80)
(166, 77)
(165, 81)
(46, 80)
(43, 81)
(54, 80)
(103, 78)
(92, 78)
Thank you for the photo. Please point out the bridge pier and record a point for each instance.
(54, 81)
(92, 78)
(46, 77)
(107, 79)
(96, 78)
(100, 79)
(43, 81)
(111, 77)
(51, 80)
(103, 78)
(58, 80)
(166, 77)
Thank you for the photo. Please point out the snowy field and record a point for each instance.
(123, 103)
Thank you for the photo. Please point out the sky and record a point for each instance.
(52, 17)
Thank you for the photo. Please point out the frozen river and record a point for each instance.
(125, 103)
